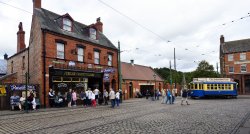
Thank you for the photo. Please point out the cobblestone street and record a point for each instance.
(135, 116)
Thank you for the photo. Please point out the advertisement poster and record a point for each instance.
(2, 90)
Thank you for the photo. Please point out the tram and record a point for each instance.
(203, 87)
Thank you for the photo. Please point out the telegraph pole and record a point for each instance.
(119, 66)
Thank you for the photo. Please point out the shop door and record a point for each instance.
(247, 86)
(130, 90)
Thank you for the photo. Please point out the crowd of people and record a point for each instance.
(85, 98)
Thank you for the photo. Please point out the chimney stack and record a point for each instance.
(98, 25)
(37, 4)
(132, 62)
(20, 38)
(222, 40)
(5, 56)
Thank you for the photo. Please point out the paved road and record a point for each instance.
(136, 116)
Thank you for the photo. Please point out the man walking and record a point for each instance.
(112, 97)
(184, 96)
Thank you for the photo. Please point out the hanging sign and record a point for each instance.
(60, 85)
(22, 87)
(2, 90)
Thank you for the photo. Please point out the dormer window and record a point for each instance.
(67, 24)
(92, 33)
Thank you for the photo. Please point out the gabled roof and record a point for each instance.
(138, 72)
(3, 66)
(51, 21)
(236, 46)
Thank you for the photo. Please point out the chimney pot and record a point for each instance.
(222, 39)
(5, 56)
(99, 25)
(37, 4)
(20, 38)
(132, 62)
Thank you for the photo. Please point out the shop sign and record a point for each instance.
(80, 85)
(72, 63)
(2, 90)
(109, 70)
(90, 66)
(21, 87)
(106, 77)
(58, 62)
(60, 85)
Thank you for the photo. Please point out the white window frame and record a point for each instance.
(67, 24)
(80, 54)
(110, 59)
(230, 57)
(60, 50)
(97, 57)
(242, 56)
(243, 69)
(92, 33)
(230, 69)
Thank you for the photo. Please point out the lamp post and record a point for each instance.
(155, 86)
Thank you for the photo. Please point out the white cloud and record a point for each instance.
(193, 26)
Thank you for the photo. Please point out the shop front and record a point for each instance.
(63, 80)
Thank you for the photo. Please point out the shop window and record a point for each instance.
(66, 79)
(110, 60)
(230, 57)
(57, 79)
(242, 56)
(243, 68)
(75, 79)
(60, 50)
(80, 54)
(97, 57)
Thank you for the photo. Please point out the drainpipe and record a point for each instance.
(44, 69)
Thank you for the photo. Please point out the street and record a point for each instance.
(135, 116)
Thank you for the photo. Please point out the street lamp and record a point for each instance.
(155, 85)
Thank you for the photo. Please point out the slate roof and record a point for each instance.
(52, 21)
(138, 72)
(3, 66)
(236, 46)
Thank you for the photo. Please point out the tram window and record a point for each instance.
(57, 79)
(201, 87)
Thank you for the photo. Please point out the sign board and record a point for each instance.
(211, 79)
(72, 63)
(2, 90)
(109, 70)
(21, 87)
(61, 85)
(106, 77)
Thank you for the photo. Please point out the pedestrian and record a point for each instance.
(83, 98)
(74, 98)
(69, 97)
(96, 92)
(169, 97)
(147, 94)
(163, 93)
(51, 98)
(112, 97)
(117, 98)
(93, 100)
(120, 91)
(184, 96)
(105, 96)
(173, 96)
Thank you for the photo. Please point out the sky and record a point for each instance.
(148, 30)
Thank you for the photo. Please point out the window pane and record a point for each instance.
(67, 24)
(97, 57)
(80, 54)
(230, 57)
(231, 69)
(92, 33)
(243, 56)
(60, 50)
(243, 68)
(109, 60)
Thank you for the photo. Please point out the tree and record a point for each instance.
(204, 70)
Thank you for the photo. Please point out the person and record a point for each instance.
(93, 99)
(58, 100)
(158, 94)
(100, 98)
(117, 98)
(112, 97)
(83, 98)
(96, 92)
(163, 92)
(120, 91)
(169, 97)
(31, 99)
(173, 96)
(105, 96)
(184, 96)
(69, 97)
(51, 97)
(14, 101)
(22, 103)
(74, 98)
(147, 94)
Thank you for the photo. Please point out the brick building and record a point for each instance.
(139, 78)
(64, 53)
(235, 62)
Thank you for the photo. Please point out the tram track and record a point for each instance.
(92, 119)
(59, 113)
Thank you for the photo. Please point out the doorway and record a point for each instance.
(130, 90)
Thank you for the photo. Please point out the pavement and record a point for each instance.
(136, 116)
